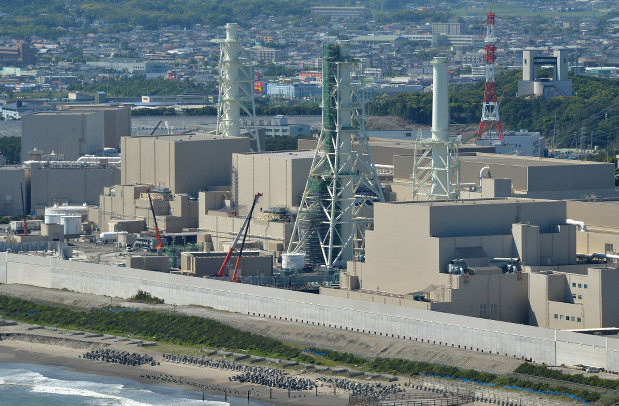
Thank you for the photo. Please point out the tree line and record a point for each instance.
(590, 115)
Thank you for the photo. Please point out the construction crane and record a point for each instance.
(243, 231)
(23, 208)
(157, 126)
(159, 243)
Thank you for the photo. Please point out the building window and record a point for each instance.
(573, 318)
(573, 295)
(556, 316)
(482, 310)
(567, 318)
(580, 285)
(578, 319)
(561, 317)
(580, 296)
(573, 284)
(585, 286)
(493, 309)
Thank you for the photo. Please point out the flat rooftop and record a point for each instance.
(293, 154)
(475, 202)
(188, 137)
(515, 160)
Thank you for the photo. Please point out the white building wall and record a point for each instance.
(538, 344)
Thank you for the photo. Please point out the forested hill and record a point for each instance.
(593, 112)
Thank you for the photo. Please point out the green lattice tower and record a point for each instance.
(342, 182)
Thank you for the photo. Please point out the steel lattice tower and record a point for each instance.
(336, 206)
(490, 111)
(235, 90)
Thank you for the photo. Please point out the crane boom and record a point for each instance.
(159, 243)
(243, 232)
(157, 126)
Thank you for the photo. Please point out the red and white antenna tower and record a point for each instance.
(490, 112)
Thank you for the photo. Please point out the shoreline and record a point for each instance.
(211, 381)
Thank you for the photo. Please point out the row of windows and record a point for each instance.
(580, 285)
(568, 318)
(574, 296)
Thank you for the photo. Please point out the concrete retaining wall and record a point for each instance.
(542, 345)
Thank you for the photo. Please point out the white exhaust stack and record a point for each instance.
(236, 91)
(440, 128)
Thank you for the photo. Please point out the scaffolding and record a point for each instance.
(423, 171)
(336, 206)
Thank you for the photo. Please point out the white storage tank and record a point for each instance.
(293, 261)
(72, 224)
(54, 214)
(110, 236)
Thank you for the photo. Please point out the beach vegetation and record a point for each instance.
(145, 297)
(179, 329)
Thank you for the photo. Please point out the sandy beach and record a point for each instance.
(63, 349)
(22, 343)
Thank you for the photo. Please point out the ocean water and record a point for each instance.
(29, 384)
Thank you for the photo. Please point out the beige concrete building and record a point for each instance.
(68, 183)
(583, 298)
(203, 264)
(279, 176)
(600, 230)
(384, 149)
(116, 119)
(71, 134)
(157, 263)
(10, 193)
(506, 259)
(121, 202)
(538, 178)
(184, 164)
(223, 228)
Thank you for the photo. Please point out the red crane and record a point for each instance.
(159, 243)
(23, 208)
(242, 231)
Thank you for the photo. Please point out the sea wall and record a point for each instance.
(541, 345)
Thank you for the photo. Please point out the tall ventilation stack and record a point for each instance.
(337, 203)
(490, 125)
(436, 168)
(235, 91)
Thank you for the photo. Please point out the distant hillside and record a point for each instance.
(593, 112)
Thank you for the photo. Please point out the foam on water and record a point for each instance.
(18, 379)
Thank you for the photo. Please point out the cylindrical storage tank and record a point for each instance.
(293, 261)
(52, 218)
(72, 225)
(109, 236)
(53, 214)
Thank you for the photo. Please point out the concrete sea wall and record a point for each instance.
(541, 345)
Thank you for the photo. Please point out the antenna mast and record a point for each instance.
(490, 111)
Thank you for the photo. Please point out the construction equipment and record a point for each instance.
(157, 235)
(23, 208)
(157, 126)
(243, 231)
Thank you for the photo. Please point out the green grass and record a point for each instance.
(196, 332)
(145, 297)
(543, 371)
